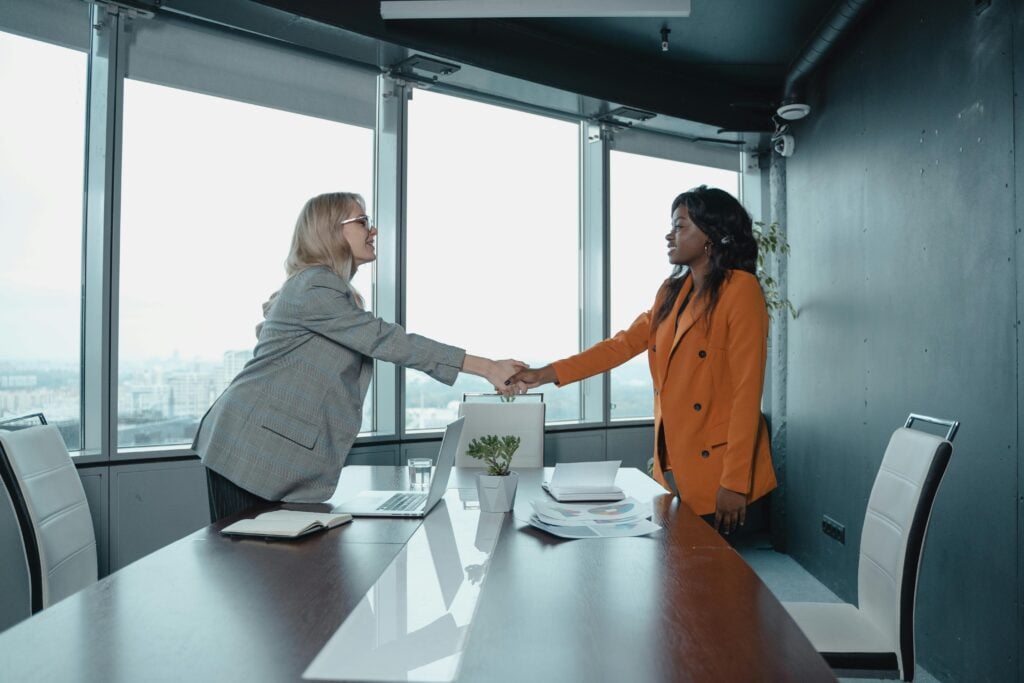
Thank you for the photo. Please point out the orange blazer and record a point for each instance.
(708, 381)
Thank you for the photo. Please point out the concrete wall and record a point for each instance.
(906, 269)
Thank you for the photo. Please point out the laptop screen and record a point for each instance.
(445, 462)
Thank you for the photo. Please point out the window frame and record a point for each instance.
(591, 228)
(108, 67)
(669, 148)
(67, 25)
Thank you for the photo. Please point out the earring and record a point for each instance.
(707, 248)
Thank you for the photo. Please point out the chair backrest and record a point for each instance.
(53, 513)
(480, 397)
(525, 420)
(13, 424)
(9, 561)
(894, 531)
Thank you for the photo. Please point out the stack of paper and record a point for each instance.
(578, 481)
(628, 517)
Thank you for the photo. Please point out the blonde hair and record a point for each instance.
(318, 239)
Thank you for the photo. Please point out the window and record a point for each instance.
(210, 192)
(41, 179)
(224, 138)
(642, 190)
(492, 247)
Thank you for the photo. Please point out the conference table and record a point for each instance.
(461, 595)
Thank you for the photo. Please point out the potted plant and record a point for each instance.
(496, 487)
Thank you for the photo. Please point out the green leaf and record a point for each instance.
(495, 451)
(770, 241)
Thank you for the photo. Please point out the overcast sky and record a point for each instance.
(211, 188)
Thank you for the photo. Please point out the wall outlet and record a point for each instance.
(833, 529)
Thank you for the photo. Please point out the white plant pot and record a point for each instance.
(497, 494)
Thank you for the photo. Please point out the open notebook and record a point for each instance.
(286, 523)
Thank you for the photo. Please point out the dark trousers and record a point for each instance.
(227, 498)
(756, 521)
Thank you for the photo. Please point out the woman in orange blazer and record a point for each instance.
(706, 342)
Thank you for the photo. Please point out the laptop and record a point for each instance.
(410, 503)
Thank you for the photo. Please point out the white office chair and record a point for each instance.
(53, 513)
(876, 637)
(525, 420)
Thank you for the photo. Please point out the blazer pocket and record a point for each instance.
(718, 435)
(290, 427)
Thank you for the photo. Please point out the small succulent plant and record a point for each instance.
(496, 452)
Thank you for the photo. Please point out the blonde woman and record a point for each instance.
(282, 429)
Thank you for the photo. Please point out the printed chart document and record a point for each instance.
(628, 517)
(577, 481)
(286, 523)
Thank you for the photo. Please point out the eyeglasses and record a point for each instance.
(364, 219)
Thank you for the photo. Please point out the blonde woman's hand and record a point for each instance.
(527, 378)
(501, 371)
(494, 371)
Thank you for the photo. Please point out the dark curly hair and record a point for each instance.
(728, 227)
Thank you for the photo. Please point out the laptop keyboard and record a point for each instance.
(402, 502)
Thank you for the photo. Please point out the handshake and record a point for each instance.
(512, 377)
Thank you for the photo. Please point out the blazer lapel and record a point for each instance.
(686, 320)
(667, 335)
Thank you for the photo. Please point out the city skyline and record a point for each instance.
(160, 404)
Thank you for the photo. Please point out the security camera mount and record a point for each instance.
(782, 141)
(785, 145)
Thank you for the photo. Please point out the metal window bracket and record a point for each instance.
(114, 7)
(597, 132)
(421, 69)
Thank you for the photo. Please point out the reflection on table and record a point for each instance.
(412, 624)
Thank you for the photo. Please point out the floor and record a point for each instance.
(791, 582)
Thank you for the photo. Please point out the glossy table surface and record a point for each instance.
(510, 602)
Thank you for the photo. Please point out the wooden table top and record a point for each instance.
(678, 604)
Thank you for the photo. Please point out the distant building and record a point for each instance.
(191, 393)
(17, 381)
(233, 363)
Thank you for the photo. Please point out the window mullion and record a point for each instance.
(594, 292)
(99, 303)
(389, 193)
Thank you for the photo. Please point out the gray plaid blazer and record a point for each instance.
(284, 426)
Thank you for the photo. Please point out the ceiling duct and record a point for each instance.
(838, 22)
